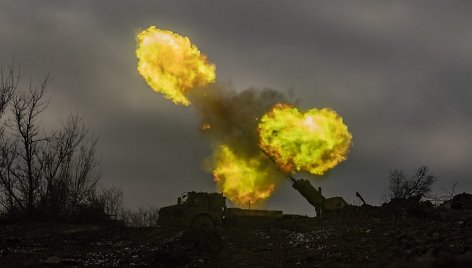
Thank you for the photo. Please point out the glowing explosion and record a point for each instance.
(243, 180)
(315, 141)
(171, 65)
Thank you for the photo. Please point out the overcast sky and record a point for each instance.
(398, 72)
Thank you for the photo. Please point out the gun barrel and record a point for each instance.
(304, 187)
(360, 197)
(290, 177)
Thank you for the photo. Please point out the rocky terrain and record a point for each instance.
(396, 235)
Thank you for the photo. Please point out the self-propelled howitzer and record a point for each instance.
(311, 194)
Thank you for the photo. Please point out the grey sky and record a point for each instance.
(398, 72)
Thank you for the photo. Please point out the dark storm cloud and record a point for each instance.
(399, 73)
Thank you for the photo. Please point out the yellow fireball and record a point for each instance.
(243, 179)
(171, 64)
(314, 141)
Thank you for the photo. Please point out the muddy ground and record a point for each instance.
(359, 236)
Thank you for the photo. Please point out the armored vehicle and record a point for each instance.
(207, 210)
(201, 210)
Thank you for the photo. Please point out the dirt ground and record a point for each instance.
(358, 236)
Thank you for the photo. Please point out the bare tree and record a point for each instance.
(28, 166)
(403, 187)
(51, 174)
(8, 184)
(142, 217)
(9, 80)
(69, 167)
(110, 200)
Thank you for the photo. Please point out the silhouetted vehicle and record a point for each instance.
(206, 210)
(200, 210)
(315, 198)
